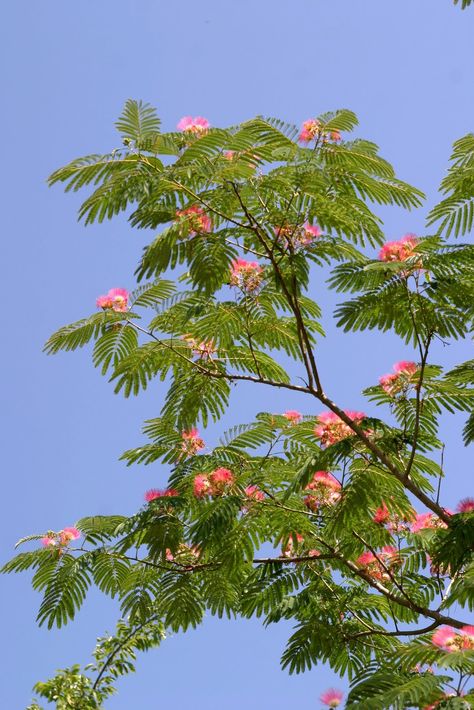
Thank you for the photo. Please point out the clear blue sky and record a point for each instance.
(405, 67)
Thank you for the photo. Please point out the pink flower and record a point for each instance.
(203, 350)
(332, 698)
(197, 125)
(155, 493)
(221, 479)
(310, 129)
(254, 493)
(297, 237)
(444, 638)
(335, 136)
(201, 485)
(66, 535)
(48, 541)
(400, 250)
(399, 380)
(331, 429)
(405, 367)
(195, 220)
(314, 553)
(466, 505)
(366, 558)
(192, 442)
(293, 416)
(104, 302)
(382, 514)
(229, 154)
(424, 521)
(324, 489)
(247, 275)
(312, 230)
(376, 565)
(117, 299)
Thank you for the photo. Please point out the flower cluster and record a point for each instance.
(449, 639)
(398, 380)
(293, 416)
(466, 505)
(116, 299)
(195, 220)
(247, 275)
(297, 237)
(254, 493)
(203, 350)
(155, 493)
(332, 698)
(400, 250)
(323, 489)
(312, 129)
(197, 125)
(213, 484)
(61, 538)
(330, 428)
(191, 442)
(394, 523)
(377, 565)
(426, 521)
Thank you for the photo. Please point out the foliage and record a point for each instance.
(247, 216)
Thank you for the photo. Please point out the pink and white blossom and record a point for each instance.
(293, 416)
(195, 220)
(116, 299)
(247, 275)
(400, 250)
(330, 428)
(332, 698)
(191, 442)
(197, 125)
(155, 493)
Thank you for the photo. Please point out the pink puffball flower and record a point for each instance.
(310, 129)
(405, 367)
(67, 535)
(466, 505)
(220, 479)
(48, 541)
(254, 493)
(201, 485)
(247, 275)
(116, 299)
(445, 638)
(191, 442)
(119, 298)
(203, 350)
(399, 379)
(426, 521)
(311, 231)
(382, 514)
(332, 698)
(229, 154)
(195, 219)
(197, 125)
(293, 416)
(155, 493)
(331, 429)
(323, 489)
(335, 136)
(400, 250)
(104, 302)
